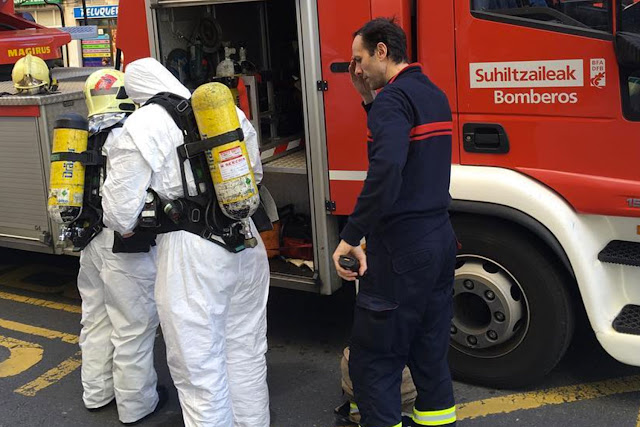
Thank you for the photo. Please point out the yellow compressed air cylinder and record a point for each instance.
(66, 189)
(229, 164)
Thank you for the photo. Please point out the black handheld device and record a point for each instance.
(349, 263)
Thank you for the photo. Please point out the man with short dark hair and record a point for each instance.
(404, 307)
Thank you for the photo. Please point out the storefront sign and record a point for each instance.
(96, 12)
(97, 52)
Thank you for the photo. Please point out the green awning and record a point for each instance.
(33, 2)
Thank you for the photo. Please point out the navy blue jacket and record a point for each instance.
(406, 192)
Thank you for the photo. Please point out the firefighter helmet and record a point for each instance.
(31, 74)
(104, 93)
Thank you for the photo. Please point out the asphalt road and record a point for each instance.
(40, 375)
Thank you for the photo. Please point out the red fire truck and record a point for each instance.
(545, 183)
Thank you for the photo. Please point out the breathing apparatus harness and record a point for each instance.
(89, 223)
(198, 214)
(83, 229)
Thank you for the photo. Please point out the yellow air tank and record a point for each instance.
(229, 163)
(66, 190)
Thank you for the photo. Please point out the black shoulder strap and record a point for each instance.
(93, 155)
(191, 149)
(87, 158)
(181, 112)
(97, 140)
(89, 223)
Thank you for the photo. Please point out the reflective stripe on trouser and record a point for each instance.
(403, 317)
(213, 317)
(434, 418)
(423, 418)
(119, 323)
(353, 408)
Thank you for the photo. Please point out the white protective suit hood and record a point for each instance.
(147, 77)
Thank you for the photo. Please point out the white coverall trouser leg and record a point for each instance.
(119, 323)
(212, 307)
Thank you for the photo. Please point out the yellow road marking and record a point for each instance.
(41, 332)
(71, 308)
(22, 356)
(52, 376)
(554, 396)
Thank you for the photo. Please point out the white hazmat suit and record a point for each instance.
(119, 323)
(211, 303)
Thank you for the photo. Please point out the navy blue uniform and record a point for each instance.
(404, 307)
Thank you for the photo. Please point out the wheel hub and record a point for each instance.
(489, 307)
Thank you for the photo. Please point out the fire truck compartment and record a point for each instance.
(261, 39)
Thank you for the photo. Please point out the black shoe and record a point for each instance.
(342, 413)
(163, 396)
(100, 408)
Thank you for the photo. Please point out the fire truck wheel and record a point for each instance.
(513, 317)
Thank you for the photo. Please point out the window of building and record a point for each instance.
(43, 16)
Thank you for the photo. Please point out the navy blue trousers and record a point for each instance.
(403, 317)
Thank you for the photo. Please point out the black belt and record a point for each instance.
(232, 241)
(194, 222)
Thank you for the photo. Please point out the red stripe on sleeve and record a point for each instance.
(431, 127)
(431, 135)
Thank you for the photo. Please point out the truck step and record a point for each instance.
(621, 252)
(628, 321)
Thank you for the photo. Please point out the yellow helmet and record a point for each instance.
(104, 93)
(31, 74)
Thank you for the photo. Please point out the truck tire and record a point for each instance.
(513, 316)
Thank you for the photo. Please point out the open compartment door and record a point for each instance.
(346, 126)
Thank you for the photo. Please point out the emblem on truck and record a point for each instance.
(598, 71)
